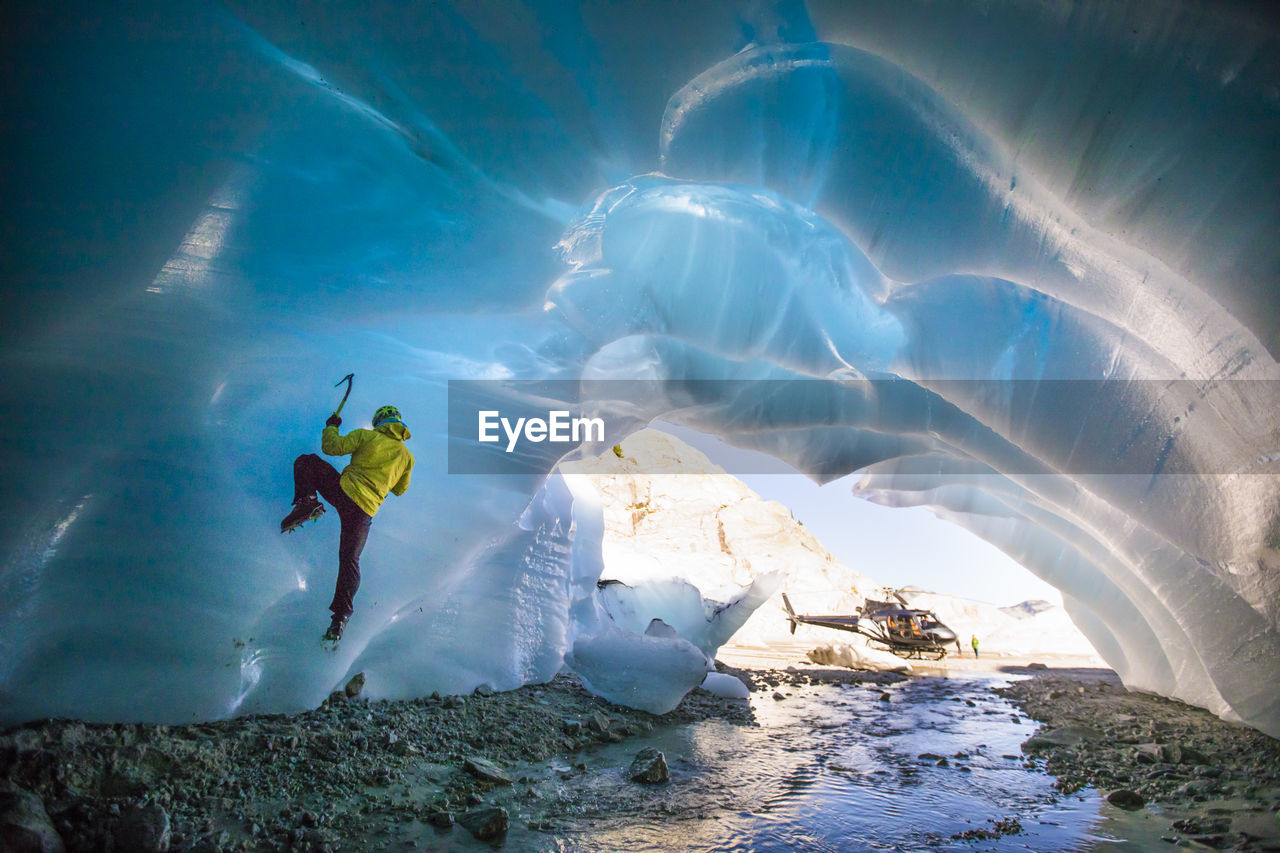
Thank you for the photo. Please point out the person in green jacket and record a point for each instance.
(380, 463)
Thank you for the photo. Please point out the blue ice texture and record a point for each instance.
(1006, 247)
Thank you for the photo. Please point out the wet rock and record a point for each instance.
(1125, 799)
(24, 824)
(1178, 754)
(354, 686)
(597, 722)
(1147, 753)
(885, 697)
(1073, 735)
(483, 690)
(145, 829)
(486, 824)
(1063, 736)
(572, 728)
(1162, 771)
(1197, 789)
(1006, 826)
(440, 819)
(1200, 825)
(1069, 784)
(649, 767)
(1213, 842)
(486, 771)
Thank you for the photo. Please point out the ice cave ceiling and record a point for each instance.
(1016, 262)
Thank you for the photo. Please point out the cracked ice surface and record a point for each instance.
(1054, 228)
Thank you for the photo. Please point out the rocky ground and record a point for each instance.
(341, 776)
(1213, 784)
(314, 781)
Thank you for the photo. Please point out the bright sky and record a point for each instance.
(899, 547)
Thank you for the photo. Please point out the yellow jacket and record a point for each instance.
(380, 462)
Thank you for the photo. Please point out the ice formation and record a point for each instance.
(1016, 263)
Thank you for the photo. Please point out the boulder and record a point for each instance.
(354, 686)
(597, 722)
(24, 824)
(857, 657)
(649, 767)
(1126, 799)
(1178, 754)
(486, 824)
(486, 771)
(1062, 736)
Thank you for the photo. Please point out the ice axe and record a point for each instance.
(347, 379)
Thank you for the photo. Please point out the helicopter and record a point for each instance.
(899, 628)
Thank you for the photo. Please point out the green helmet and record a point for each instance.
(386, 414)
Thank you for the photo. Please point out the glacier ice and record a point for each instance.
(725, 686)
(679, 606)
(639, 670)
(1012, 263)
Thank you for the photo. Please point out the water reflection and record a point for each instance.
(828, 768)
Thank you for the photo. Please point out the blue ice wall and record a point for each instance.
(1052, 224)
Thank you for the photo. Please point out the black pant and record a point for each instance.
(312, 474)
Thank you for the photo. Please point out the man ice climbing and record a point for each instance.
(380, 463)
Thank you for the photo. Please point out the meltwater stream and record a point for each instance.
(830, 767)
